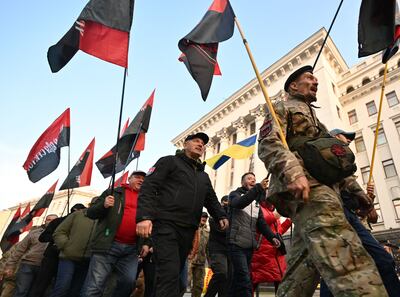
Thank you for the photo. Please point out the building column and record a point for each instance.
(209, 154)
(221, 186)
(259, 167)
(239, 165)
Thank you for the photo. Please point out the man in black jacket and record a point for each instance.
(245, 218)
(218, 257)
(170, 204)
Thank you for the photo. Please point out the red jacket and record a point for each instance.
(267, 264)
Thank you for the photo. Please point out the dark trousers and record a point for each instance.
(383, 260)
(240, 258)
(70, 278)
(172, 245)
(149, 272)
(219, 280)
(25, 277)
(47, 272)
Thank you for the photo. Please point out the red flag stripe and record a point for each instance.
(103, 42)
(218, 6)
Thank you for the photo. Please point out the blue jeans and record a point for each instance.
(241, 262)
(383, 260)
(25, 278)
(123, 259)
(70, 278)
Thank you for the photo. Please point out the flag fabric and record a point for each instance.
(200, 47)
(131, 143)
(81, 174)
(376, 26)
(101, 30)
(241, 150)
(124, 127)
(393, 48)
(44, 156)
(25, 213)
(37, 211)
(122, 179)
(8, 241)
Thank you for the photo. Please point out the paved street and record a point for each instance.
(264, 294)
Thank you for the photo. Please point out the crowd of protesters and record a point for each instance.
(152, 238)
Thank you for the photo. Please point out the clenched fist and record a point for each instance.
(109, 202)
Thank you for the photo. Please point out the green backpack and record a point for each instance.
(326, 158)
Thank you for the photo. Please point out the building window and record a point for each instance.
(365, 81)
(397, 124)
(392, 99)
(371, 108)
(231, 179)
(389, 168)
(234, 138)
(381, 137)
(352, 116)
(218, 147)
(378, 211)
(381, 72)
(251, 166)
(395, 191)
(360, 145)
(349, 89)
(365, 174)
(252, 128)
(338, 112)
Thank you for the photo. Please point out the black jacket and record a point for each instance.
(47, 236)
(246, 217)
(176, 189)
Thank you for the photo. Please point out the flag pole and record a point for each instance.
(378, 122)
(66, 204)
(327, 34)
(262, 86)
(119, 131)
(69, 168)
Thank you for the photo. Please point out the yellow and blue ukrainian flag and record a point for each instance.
(241, 150)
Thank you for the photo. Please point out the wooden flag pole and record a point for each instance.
(262, 86)
(69, 168)
(378, 122)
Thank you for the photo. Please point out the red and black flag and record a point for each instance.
(393, 48)
(101, 30)
(44, 156)
(8, 241)
(130, 144)
(81, 174)
(199, 48)
(37, 211)
(25, 213)
(376, 26)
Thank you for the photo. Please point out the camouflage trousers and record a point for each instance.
(198, 273)
(324, 244)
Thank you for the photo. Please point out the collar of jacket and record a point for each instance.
(302, 98)
(194, 163)
(242, 190)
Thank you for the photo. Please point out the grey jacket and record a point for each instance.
(246, 217)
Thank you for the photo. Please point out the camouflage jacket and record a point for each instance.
(296, 117)
(200, 257)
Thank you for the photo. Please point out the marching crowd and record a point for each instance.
(150, 236)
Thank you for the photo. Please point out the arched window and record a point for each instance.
(349, 89)
(365, 81)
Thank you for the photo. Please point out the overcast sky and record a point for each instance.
(32, 97)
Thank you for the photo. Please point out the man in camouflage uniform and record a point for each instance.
(323, 241)
(198, 262)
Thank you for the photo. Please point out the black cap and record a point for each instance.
(201, 135)
(138, 172)
(204, 214)
(296, 74)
